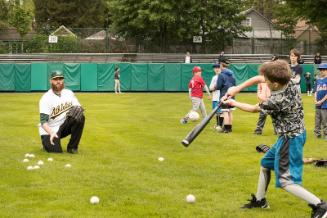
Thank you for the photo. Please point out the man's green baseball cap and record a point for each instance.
(57, 74)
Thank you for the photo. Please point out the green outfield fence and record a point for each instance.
(94, 77)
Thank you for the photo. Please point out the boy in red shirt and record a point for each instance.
(195, 90)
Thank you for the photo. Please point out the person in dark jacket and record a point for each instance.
(225, 81)
(317, 59)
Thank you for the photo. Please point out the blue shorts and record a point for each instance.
(214, 105)
(286, 158)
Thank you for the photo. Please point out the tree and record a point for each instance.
(4, 8)
(290, 11)
(313, 11)
(20, 19)
(285, 19)
(163, 21)
(73, 13)
(265, 7)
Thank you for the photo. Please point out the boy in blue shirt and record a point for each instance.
(224, 82)
(285, 156)
(321, 102)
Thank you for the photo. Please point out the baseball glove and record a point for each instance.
(321, 163)
(76, 113)
(262, 148)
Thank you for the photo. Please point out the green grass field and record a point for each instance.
(118, 161)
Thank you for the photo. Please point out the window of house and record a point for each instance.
(248, 21)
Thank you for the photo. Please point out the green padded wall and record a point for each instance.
(89, 77)
(125, 76)
(173, 74)
(133, 77)
(39, 76)
(139, 77)
(72, 74)
(22, 77)
(244, 71)
(106, 77)
(156, 77)
(7, 77)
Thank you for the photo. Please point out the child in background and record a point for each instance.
(196, 86)
(296, 68)
(117, 80)
(224, 82)
(285, 156)
(263, 93)
(216, 94)
(321, 102)
(308, 83)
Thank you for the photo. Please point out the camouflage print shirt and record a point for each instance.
(286, 110)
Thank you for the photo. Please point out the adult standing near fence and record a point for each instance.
(117, 80)
(188, 58)
(317, 59)
(61, 115)
(221, 57)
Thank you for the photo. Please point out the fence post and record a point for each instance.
(107, 41)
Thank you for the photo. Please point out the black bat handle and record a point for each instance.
(199, 127)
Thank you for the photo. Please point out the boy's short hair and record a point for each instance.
(276, 71)
(296, 53)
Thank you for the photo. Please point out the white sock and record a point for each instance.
(264, 179)
(302, 193)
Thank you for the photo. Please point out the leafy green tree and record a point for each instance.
(72, 14)
(313, 11)
(285, 19)
(20, 19)
(166, 22)
(4, 8)
(288, 12)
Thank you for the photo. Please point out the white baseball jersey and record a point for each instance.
(56, 107)
(213, 84)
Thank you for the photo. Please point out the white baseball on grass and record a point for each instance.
(94, 200)
(36, 167)
(190, 198)
(40, 162)
(26, 160)
(31, 155)
(50, 159)
(27, 155)
(68, 166)
(30, 168)
(194, 116)
(161, 159)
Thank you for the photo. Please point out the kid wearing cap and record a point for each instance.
(216, 94)
(225, 81)
(320, 90)
(196, 86)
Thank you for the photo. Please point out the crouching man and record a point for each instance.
(60, 115)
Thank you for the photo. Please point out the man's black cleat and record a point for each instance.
(319, 210)
(72, 151)
(254, 203)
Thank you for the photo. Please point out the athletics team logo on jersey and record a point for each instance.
(63, 107)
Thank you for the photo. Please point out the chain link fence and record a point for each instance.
(94, 40)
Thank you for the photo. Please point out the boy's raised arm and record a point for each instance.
(250, 82)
